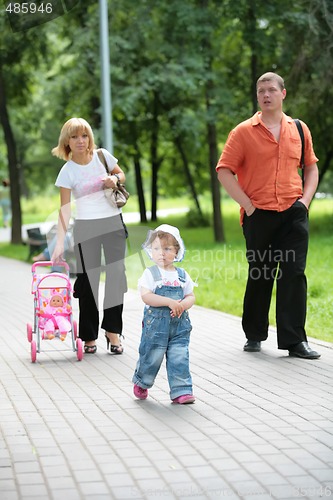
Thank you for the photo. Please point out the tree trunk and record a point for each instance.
(213, 157)
(252, 34)
(154, 158)
(14, 177)
(138, 176)
(219, 235)
(212, 139)
(326, 165)
(139, 187)
(182, 153)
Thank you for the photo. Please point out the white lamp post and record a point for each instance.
(106, 102)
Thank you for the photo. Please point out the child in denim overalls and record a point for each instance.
(167, 292)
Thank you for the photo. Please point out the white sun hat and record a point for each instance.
(174, 231)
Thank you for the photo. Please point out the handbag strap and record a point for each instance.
(103, 160)
(301, 133)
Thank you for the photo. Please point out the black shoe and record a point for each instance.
(90, 349)
(114, 349)
(252, 346)
(303, 350)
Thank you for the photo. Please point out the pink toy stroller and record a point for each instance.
(53, 318)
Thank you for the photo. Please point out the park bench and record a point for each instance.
(36, 241)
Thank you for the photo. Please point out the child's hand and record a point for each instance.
(177, 308)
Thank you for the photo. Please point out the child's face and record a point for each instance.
(163, 252)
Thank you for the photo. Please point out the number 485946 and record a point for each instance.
(29, 8)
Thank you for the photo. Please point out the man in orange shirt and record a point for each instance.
(259, 169)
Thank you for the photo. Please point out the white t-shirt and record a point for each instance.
(86, 184)
(169, 278)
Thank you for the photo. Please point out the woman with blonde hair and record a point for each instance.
(98, 228)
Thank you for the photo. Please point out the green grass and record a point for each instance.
(44, 208)
(221, 269)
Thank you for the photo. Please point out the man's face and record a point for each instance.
(270, 96)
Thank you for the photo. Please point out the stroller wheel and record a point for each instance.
(79, 349)
(33, 351)
(29, 332)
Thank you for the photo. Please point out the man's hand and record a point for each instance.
(249, 210)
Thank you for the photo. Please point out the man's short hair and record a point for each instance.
(270, 76)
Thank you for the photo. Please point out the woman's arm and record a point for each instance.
(63, 223)
(117, 175)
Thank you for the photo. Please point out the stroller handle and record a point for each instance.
(49, 263)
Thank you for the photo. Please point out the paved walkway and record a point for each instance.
(262, 425)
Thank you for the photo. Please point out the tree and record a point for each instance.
(20, 52)
(183, 74)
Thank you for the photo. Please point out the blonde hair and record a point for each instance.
(73, 126)
(270, 76)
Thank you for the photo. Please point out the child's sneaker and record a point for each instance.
(185, 399)
(48, 335)
(139, 392)
(63, 336)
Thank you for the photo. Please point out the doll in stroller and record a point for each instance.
(56, 315)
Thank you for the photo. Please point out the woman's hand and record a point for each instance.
(110, 182)
(58, 253)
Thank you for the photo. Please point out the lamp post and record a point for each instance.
(106, 102)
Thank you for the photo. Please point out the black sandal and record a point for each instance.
(114, 349)
(90, 349)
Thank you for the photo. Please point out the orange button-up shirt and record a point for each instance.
(267, 170)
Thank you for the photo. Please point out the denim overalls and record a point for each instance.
(162, 334)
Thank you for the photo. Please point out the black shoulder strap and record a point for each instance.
(102, 159)
(301, 133)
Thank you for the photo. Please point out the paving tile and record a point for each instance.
(262, 425)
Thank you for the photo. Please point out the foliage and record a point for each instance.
(196, 219)
(168, 61)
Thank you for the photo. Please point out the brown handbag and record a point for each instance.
(116, 197)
